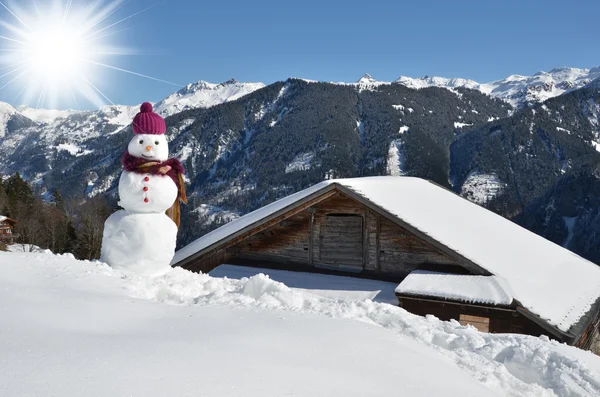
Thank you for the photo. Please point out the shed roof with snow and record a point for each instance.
(546, 279)
(468, 288)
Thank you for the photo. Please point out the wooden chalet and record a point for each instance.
(452, 258)
(7, 226)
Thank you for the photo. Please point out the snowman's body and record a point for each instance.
(146, 192)
(141, 238)
(138, 242)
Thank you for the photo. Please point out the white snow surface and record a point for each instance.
(458, 124)
(396, 161)
(6, 113)
(547, 279)
(480, 188)
(301, 162)
(324, 285)
(427, 81)
(461, 287)
(79, 328)
(45, 115)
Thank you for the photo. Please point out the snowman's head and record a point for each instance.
(149, 147)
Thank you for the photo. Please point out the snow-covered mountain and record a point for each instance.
(193, 96)
(204, 95)
(75, 131)
(11, 119)
(45, 115)
(516, 89)
(443, 82)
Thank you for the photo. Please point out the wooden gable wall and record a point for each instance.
(342, 234)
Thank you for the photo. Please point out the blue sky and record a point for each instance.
(183, 41)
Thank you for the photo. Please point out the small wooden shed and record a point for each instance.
(411, 231)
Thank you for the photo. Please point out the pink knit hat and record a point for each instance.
(148, 122)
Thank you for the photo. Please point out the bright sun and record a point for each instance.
(54, 51)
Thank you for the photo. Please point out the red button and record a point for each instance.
(146, 179)
(146, 200)
(145, 188)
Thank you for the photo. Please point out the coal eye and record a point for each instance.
(141, 141)
(156, 142)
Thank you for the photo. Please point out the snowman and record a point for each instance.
(141, 237)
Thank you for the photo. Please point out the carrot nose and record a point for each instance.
(148, 148)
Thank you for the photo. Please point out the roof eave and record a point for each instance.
(563, 336)
(511, 306)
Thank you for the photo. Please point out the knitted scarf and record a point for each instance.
(171, 168)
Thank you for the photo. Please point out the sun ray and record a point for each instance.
(21, 91)
(74, 97)
(97, 89)
(13, 40)
(14, 15)
(11, 81)
(40, 99)
(109, 10)
(131, 72)
(67, 9)
(106, 35)
(11, 66)
(11, 72)
(120, 21)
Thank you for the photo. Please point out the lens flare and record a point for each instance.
(56, 51)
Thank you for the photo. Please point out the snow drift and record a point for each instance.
(75, 327)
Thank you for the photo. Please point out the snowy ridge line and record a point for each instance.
(493, 359)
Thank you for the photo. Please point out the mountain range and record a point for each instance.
(511, 145)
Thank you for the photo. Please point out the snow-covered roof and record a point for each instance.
(548, 280)
(461, 287)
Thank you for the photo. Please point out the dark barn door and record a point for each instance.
(341, 240)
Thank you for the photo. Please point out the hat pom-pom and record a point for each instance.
(146, 107)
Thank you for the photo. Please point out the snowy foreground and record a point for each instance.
(78, 328)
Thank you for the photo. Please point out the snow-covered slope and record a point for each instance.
(516, 89)
(79, 328)
(541, 86)
(7, 113)
(45, 115)
(434, 81)
(197, 95)
(203, 95)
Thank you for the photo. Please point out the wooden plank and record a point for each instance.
(311, 236)
(378, 245)
(342, 239)
(481, 323)
(365, 238)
